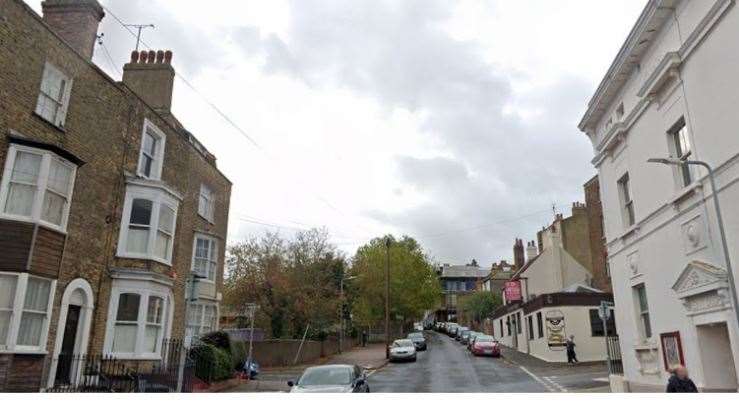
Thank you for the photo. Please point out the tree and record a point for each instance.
(480, 305)
(473, 263)
(414, 285)
(294, 282)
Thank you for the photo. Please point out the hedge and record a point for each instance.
(212, 363)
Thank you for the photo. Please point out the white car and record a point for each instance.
(403, 350)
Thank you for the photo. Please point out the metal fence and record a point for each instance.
(106, 373)
(614, 355)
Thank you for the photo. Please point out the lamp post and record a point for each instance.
(341, 310)
(719, 219)
(251, 309)
(387, 297)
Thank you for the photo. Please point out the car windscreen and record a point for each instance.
(403, 343)
(481, 339)
(326, 376)
(415, 336)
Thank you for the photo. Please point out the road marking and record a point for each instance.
(556, 385)
(537, 379)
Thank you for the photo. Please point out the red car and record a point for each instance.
(487, 346)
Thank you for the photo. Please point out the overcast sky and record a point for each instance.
(450, 121)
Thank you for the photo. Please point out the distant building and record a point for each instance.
(671, 92)
(556, 293)
(499, 274)
(457, 281)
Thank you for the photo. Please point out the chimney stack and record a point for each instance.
(151, 76)
(531, 251)
(518, 254)
(76, 21)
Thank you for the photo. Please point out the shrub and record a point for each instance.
(219, 339)
(238, 354)
(212, 363)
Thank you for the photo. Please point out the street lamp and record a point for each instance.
(387, 297)
(341, 310)
(719, 219)
(251, 309)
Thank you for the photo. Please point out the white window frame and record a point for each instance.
(17, 313)
(158, 197)
(62, 100)
(158, 159)
(683, 173)
(212, 259)
(145, 290)
(193, 331)
(643, 315)
(206, 203)
(41, 186)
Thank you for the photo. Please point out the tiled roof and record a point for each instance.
(463, 271)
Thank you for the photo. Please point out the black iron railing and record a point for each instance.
(614, 355)
(106, 373)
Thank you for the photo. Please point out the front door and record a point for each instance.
(64, 366)
(719, 371)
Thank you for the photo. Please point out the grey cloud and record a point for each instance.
(502, 167)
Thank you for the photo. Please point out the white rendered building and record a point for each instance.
(672, 91)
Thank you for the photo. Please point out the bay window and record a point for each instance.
(148, 224)
(36, 187)
(25, 306)
(205, 259)
(138, 318)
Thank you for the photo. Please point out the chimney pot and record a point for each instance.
(144, 57)
(160, 56)
(152, 56)
(151, 78)
(168, 57)
(134, 56)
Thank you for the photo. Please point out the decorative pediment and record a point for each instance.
(699, 277)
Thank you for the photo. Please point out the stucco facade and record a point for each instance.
(671, 92)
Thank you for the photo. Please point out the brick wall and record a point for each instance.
(103, 129)
(596, 235)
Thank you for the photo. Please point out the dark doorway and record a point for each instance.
(66, 355)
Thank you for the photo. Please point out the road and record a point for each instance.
(447, 367)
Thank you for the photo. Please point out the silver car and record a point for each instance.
(403, 350)
(331, 379)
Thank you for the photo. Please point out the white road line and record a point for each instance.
(537, 379)
(556, 385)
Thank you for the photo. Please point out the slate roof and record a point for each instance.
(463, 271)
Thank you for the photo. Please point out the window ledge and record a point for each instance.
(630, 231)
(39, 223)
(210, 221)
(49, 123)
(134, 357)
(25, 352)
(144, 258)
(686, 192)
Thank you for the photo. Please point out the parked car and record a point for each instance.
(451, 329)
(250, 368)
(331, 379)
(460, 331)
(471, 338)
(403, 350)
(464, 336)
(418, 340)
(486, 345)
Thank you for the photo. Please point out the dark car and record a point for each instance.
(331, 379)
(464, 337)
(460, 330)
(418, 340)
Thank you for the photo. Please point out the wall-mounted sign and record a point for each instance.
(513, 291)
(672, 350)
(556, 334)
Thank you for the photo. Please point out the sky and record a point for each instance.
(454, 122)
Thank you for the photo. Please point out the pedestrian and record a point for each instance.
(571, 356)
(680, 382)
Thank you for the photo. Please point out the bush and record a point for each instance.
(212, 363)
(218, 339)
(238, 354)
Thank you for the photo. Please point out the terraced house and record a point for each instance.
(109, 207)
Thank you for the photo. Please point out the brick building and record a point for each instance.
(109, 207)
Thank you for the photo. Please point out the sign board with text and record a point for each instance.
(513, 291)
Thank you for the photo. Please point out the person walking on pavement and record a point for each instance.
(680, 382)
(571, 356)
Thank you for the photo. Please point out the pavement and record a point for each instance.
(447, 367)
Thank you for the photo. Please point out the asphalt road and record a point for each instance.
(447, 367)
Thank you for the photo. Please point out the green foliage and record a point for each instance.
(414, 285)
(218, 339)
(480, 305)
(238, 354)
(295, 282)
(212, 363)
